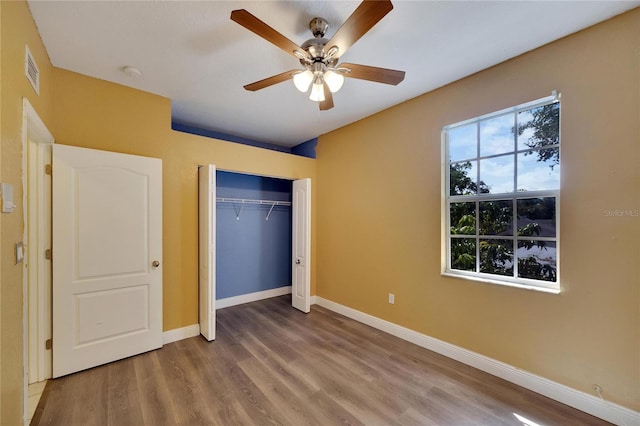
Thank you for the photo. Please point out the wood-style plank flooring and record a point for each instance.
(271, 364)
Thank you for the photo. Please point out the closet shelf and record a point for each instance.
(243, 201)
(247, 201)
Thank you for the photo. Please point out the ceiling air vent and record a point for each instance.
(31, 71)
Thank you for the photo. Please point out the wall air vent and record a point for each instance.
(31, 71)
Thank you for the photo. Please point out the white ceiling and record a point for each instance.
(192, 53)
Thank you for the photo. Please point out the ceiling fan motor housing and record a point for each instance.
(315, 48)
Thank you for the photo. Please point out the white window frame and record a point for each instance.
(447, 199)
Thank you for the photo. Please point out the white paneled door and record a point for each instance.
(301, 245)
(207, 250)
(107, 254)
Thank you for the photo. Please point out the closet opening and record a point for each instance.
(254, 241)
(253, 238)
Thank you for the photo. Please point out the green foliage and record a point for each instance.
(546, 131)
(496, 257)
(463, 254)
(460, 183)
(496, 217)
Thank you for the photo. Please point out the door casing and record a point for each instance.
(36, 149)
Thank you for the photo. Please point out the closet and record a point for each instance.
(253, 236)
(254, 241)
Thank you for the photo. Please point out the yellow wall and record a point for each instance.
(379, 222)
(18, 29)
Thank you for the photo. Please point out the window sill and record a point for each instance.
(503, 283)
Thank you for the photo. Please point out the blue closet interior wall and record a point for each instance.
(252, 253)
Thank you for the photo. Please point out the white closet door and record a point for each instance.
(301, 245)
(107, 249)
(207, 250)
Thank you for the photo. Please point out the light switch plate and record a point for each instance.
(7, 197)
(19, 252)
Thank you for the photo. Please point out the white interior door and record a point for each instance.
(107, 249)
(301, 245)
(207, 250)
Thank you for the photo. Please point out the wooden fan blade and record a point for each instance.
(250, 22)
(361, 20)
(270, 81)
(380, 75)
(328, 99)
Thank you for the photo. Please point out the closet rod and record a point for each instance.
(247, 201)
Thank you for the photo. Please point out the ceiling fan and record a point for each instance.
(319, 56)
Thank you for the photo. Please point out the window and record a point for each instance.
(502, 196)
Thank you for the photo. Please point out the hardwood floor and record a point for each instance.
(271, 364)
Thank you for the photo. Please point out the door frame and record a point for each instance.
(309, 240)
(37, 293)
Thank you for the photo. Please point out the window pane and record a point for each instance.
(496, 135)
(496, 174)
(463, 254)
(463, 218)
(496, 257)
(539, 170)
(537, 217)
(496, 217)
(463, 142)
(537, 260)
(462, 178)
(539, 127)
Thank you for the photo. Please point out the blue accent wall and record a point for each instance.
(305, 149)
(252, 254)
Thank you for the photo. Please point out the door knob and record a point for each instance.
(155, 264)
(297, 261)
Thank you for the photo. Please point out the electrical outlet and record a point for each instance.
(392, 298)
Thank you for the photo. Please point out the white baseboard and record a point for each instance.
(608, 411)
(313, 300)
(180, 333)
(252, 297)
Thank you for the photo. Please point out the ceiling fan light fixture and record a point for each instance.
(334, 80)
(302, 80)
(317, 91)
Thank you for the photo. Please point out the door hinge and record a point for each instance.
(48, 255)
(48, 344)
(48, 169)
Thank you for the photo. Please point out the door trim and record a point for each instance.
(38, 324)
